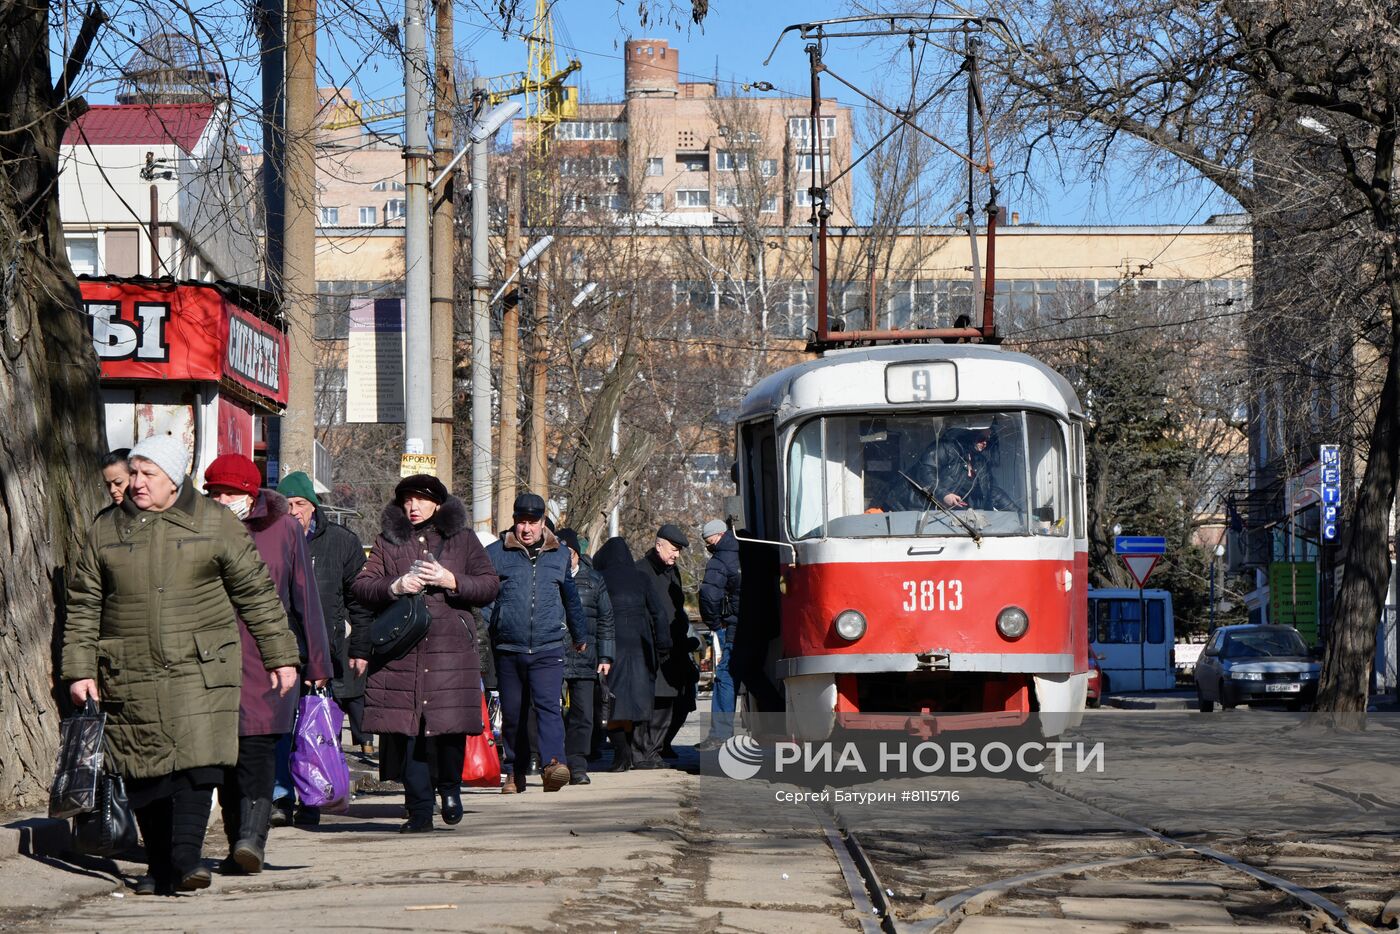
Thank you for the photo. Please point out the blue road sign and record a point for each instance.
(1331, 490)
(1139, 545)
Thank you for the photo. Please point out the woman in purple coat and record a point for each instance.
(425, 704)
(264, 717)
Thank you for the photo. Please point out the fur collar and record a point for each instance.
(267, 509)
(394, 525)
(508, 540)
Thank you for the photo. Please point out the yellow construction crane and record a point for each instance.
(547, 100)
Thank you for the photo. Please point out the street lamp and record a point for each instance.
(583, 294)
(481, 131)
(530, 256)
(1215, 556)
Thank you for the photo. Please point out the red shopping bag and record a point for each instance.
(481, 767)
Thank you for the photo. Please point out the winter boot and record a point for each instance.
(622, 751)
(252, 840)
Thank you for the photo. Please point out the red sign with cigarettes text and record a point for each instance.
(150, 330)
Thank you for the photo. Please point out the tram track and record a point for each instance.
(875, 904)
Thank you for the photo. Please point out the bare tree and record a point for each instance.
(1291, 109)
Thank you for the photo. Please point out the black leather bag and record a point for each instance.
(109, 829)
(395, 632)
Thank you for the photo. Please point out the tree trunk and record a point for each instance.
(49, 425)
(1351, 641)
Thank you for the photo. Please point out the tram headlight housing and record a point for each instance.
(850, 625)
(1013, 622)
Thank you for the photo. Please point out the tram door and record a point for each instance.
(760, 601)
(1133, 655)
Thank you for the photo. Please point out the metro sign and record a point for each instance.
(1330, 459)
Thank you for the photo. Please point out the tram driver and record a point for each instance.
(957, 467)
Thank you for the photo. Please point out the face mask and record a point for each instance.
(241, 508)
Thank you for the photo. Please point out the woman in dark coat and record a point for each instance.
(264, 715)
(641, 639)
(425, 704)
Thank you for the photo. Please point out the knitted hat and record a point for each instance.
(167, 453)
(421, 484)
(714, 527)
(299, 484)
(569, 537)
(232, 472)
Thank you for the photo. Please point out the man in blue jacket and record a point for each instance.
(533, 619)
(719, 608)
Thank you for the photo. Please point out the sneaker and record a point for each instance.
(194, 880)
(556, 775)
(709, 745)
(281, 813)
(510, 787)
(580, 778)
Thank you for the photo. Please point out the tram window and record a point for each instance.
(761, 456)
(1077, 487)
(1047, 461)
(806, 507)
(1120, 621)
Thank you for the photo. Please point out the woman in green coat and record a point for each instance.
(152, 635)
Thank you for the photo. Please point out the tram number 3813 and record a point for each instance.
(933, 596)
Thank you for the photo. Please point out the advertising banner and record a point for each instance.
(374, 365)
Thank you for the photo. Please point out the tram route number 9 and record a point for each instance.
(933, 596)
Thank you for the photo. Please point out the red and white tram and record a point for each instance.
(926, 503)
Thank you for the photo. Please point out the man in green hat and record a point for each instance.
(337, 556)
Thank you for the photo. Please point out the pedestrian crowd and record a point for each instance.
(196, 620)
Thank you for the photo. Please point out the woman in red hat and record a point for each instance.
(264, 717)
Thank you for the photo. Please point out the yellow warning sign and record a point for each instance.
(410, 464)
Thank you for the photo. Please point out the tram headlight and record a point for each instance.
(1013, 622)
(850, 625)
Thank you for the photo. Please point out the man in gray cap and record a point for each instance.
(677, 675)
(719, 608)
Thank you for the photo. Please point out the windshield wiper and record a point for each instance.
(928, 495)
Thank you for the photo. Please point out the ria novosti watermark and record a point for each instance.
(742, 758)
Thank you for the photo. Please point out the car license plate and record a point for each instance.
(1280, 688)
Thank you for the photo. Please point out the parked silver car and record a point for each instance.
(1254, 664)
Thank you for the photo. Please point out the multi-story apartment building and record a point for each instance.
(676, 153)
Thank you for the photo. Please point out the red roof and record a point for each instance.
(140, 125)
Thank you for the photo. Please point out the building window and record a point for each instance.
(801, 127)
(330, 217)
(656, 165)
(590, 129)
(692, 198)
(598, 166)
(768, 167)
(770, 204)
(656, 201)
(82, 255)
(693, 163)
(395, 210)
(369, 216)
(727, 161)
(802, 198)
(727, 197)
(806, 160)
(387, 185)
(330, 396)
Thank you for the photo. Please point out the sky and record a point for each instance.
(730, 46)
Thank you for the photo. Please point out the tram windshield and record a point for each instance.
(928, 474)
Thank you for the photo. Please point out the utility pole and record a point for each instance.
(299, 240)
(481, 326)
(510, 358)
(539, 386)
(418, 354)
(444, 328)
(269, 27)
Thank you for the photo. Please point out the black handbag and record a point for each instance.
(395, 632)
(109, 829)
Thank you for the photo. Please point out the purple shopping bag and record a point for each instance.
(319, 771)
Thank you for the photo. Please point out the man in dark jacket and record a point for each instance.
(581, 669)
(677, 677)
(336, 559)
(719, 608)
(532, 621)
